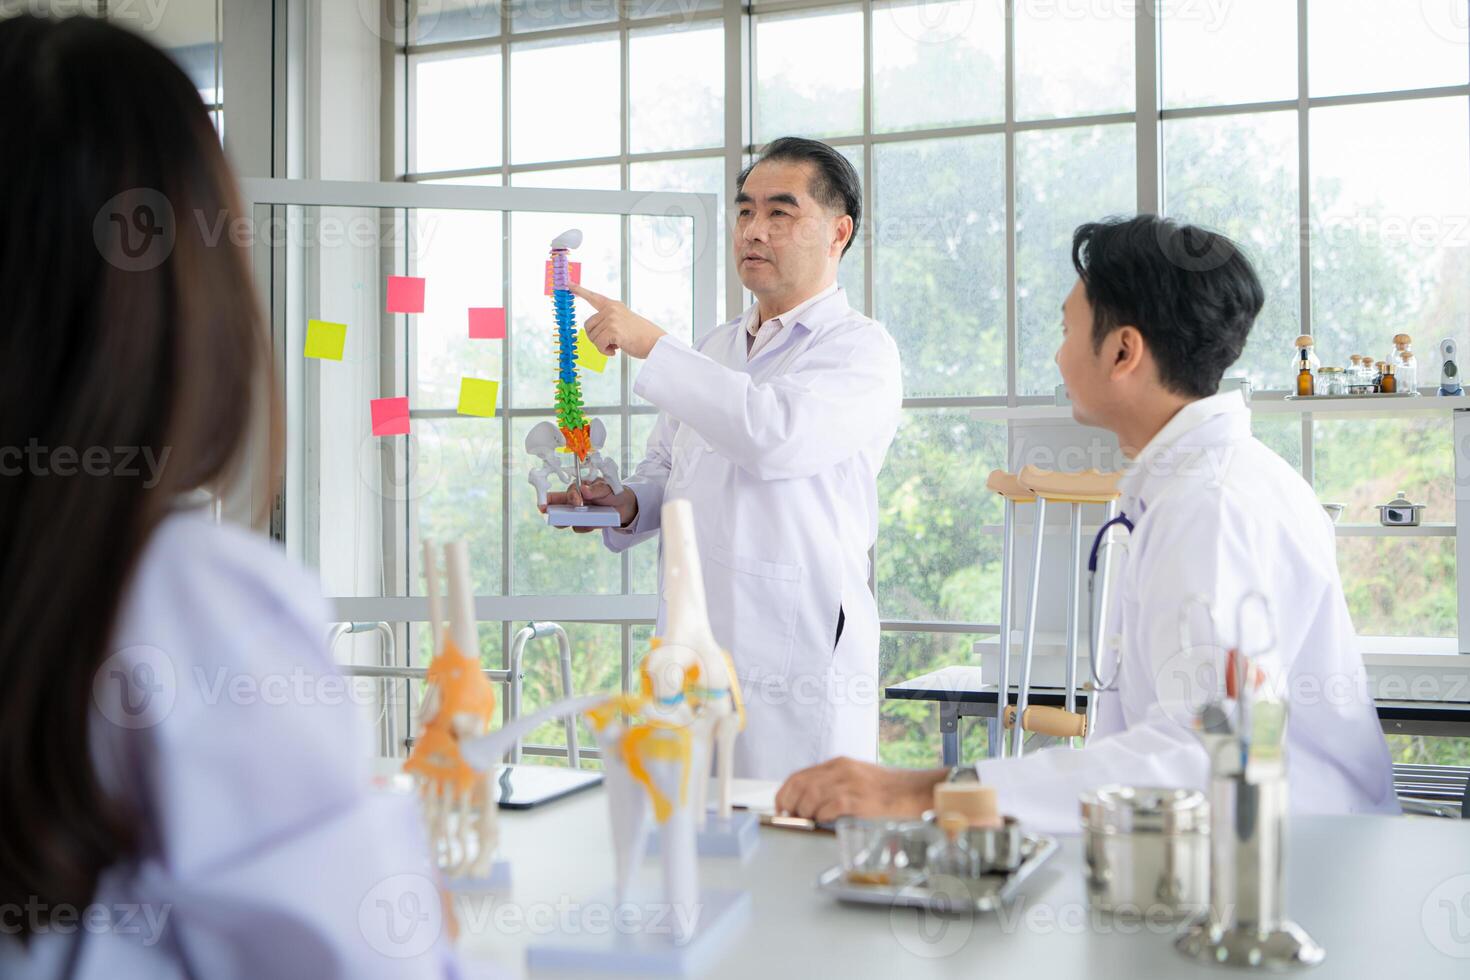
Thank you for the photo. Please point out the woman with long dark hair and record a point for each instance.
(182, 774)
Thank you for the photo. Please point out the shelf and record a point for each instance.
(1266, 403)
(1089, 530)
(1379, 531)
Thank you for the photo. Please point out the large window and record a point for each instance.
(573, 96)
(1341, 160)
(1331, 138)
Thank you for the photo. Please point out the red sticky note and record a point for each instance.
(405, 294)
(574, 273)
(487, 323)
(390, 416)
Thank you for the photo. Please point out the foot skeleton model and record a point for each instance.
(578, 441)
(459, 704)
(656, 743)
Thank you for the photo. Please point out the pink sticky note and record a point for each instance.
(390, 416)
(574, 273)
(487, 323)
(405, 294)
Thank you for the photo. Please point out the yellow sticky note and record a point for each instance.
(588, 355)
(477, 397)
(324, 340)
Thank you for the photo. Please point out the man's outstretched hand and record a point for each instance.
(597, 494)
(846, 787)
(615, 328)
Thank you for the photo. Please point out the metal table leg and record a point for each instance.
(949, 732)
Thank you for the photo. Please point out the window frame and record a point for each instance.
(741, 23)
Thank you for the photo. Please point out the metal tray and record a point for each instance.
(945, 893)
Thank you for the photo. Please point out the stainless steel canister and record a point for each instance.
(1147, 850)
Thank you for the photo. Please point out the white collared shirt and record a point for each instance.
(759, 335)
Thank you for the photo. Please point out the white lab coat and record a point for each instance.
(780, 456)
(1219, 515)
(220, 721)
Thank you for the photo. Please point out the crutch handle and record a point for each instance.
(1043, 720)
(1087, 487)
(1009, 487)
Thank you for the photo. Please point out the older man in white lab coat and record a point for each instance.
(775, 425)
(1159, 312)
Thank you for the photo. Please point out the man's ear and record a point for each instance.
(1127, 352)
(842, 233)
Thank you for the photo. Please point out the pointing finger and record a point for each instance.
(597, 300)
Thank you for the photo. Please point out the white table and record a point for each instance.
(1364, 887)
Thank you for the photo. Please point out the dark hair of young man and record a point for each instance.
(1191, 293)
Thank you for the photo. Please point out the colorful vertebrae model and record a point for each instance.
(574, 434)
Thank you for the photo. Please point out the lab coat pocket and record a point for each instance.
(763, 599)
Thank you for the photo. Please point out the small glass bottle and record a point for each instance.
(1407, 366)
(1306, 385)
(1355, 375)
(1389, 384)
(1305, 352)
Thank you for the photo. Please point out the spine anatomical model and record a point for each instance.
(573, 423)
(571, 450)
(459, 704)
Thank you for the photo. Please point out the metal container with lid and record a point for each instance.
(1399, 512)
(1147, 850)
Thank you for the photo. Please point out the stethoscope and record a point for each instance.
(1098, 684)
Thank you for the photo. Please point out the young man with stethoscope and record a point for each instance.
(1159, 312)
